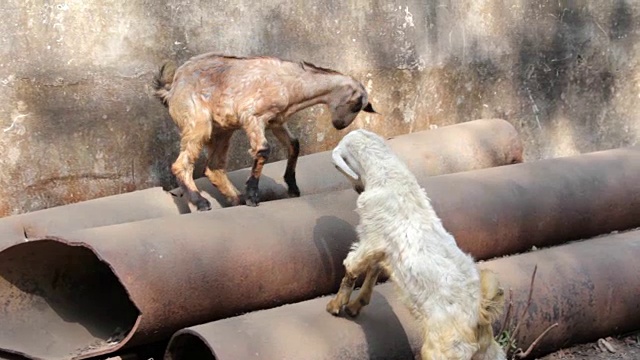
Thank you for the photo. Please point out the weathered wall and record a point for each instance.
(79, 120)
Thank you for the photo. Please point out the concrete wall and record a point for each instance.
(79, 120)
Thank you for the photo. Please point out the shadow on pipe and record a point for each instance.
(588, 287)
(65, 285)
(9, 356)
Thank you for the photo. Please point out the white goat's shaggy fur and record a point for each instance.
(400, 232)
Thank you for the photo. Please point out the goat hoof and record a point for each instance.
(203, 205)
(352, 311)
(252, 198)
(333, 309)
(235, 201)
(294, 192)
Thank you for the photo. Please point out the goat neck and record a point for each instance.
(311, 88)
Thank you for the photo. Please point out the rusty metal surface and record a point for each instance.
(590, 288)
(83, 290)
(508, 210)
(190, 269)
(472, 145)
(304, 330)
(116, 209)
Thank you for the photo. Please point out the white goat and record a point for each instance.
(399, 232)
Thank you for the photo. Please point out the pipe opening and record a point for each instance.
(186, 345)
(60, 301)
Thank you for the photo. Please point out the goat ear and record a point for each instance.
(339, 162)
(369, 109)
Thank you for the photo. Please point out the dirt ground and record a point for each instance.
(622, 348)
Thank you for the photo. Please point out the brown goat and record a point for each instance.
(210, 96)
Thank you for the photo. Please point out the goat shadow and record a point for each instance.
(384, 333)
(333, 237)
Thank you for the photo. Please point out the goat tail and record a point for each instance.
(163, 80)
(492, 301)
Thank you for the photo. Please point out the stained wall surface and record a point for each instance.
(78, 118)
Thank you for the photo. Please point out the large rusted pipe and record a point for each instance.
(589, 288)
(467, 146)
(190, 269)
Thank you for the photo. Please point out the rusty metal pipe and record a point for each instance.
(589, 288)
(467, 146)
(184, 270)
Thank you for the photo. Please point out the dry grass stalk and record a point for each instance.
(508, 331)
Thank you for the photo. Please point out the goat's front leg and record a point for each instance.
(217, 150)
(343, 295)
(285, 137)
(364, 296)
(260, 151)
(359, 260)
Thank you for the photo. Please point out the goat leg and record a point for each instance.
(285, 137)
(343, 295)
(251, 189)
(260, 150)
(364, 296)
(218, 148)
(359, 260)
(183, 167)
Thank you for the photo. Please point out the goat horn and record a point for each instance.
(339, 162)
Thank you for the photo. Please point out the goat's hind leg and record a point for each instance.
(448, 339)
(285, 137)
(364, 296)
(218, 148)
(182, 168)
